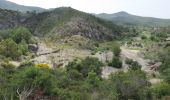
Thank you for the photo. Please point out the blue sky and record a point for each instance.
(150, 8)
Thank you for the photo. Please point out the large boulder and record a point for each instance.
(33, 47)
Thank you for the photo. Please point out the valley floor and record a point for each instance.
(61, 57)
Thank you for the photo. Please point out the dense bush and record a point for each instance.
(129, 61)
(116, 49)
(153, 38)
(35, 77)
(133, 65)
(14, 42)
(115, 62)
(7, 65)
(158, 36)
(93, 79)
(96, 44)
(18, 34)
(72, 85)
(21, 33)
(131, 85)
(143, 37)
(161, 89)
(9, 48)
(23, 47)
(166, 74)
(85, 66)
(107, 91)
(165, 67)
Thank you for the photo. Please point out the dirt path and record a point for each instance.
(126, 53)
(57, 57)
(134, 55)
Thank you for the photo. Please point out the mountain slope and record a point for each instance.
(9, 18)
(68, 22)
(13, 6)
(123, 18)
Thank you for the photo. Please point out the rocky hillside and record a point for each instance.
(67, 22)
(4, 4)
(124, 18)
(61, 22)
(9, 19)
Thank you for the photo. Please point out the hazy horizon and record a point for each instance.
(147, 8)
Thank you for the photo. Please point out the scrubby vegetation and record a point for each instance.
(14, 42)
(132, 85)
(161, 90)
(133, 65)
(55, 70)
(85, 66)
(81, 81)
(115, 62)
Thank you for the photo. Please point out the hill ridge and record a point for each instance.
(124, 18)
(5, 4)
(68, 21)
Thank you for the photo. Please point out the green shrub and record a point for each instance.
(166, 74)
(86, 65)
(161, 89)
(116, 49)
(131, 85)
(35, 78)
(93, 79)
(107, 91)
(18, 34)
(133, 65)
(129, 61)
(116, 62)
(9, 48)
(93, 53)
(96, 44)
(129, 42)
(165, 67)
(23, 47)
(152, 38)
(8, 65)
(74, 75)
(21, 33)
(143, 37)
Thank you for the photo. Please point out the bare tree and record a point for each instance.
(25, 93)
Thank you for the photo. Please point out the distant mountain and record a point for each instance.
(4, 4)
(124, 18)
(67, 21)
